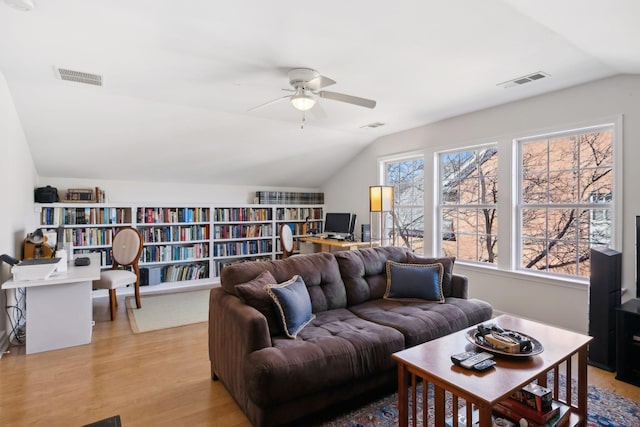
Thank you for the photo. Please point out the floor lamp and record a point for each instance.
(381, 200)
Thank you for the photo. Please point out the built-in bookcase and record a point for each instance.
(182, 245)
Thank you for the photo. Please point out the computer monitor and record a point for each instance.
(337, 223)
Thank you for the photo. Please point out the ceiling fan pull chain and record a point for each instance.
(303, 120)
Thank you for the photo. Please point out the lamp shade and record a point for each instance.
(380, 198)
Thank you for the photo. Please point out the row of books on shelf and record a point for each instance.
(221, 264)
(175, 233)
(174, 253)
(242, 231)
(79, 216)
(242, 248)
(88, 236)
(243, 214)
(301, 214)
(289, 198)
(167, 215)
(179, 273)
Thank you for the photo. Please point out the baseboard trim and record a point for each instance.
(4, 342)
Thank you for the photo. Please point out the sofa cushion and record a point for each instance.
(364, 271)
(254, 294)
(292, 303)
(423, 321)
(447, 263)
(417, 282)
(319, 271)
(336, 348)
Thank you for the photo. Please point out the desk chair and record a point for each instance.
(126, 249)
(286, 240)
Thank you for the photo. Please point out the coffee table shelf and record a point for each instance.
(431, 363)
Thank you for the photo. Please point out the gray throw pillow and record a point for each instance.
(447, 263)
(293, 304)
(419, 282)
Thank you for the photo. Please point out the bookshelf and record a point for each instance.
(242, 233)
(183, 245)
(176, 243)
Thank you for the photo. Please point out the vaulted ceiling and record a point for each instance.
(180, 76)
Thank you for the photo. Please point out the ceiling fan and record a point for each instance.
(307, 85)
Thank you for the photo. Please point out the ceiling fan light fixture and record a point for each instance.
(302, 100)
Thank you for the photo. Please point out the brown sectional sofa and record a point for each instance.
(344, 352)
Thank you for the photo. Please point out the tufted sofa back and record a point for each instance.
(319, 271)
(364, 271)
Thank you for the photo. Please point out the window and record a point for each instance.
(565, 199)
(467, 204)
(407, 178)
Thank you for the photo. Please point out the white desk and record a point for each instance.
(59, 309)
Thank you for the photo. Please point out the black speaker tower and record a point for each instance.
(604, 297)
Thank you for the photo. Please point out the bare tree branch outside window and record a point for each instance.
(407, 178)
(566, 200)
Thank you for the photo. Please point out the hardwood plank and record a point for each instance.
(158, 378)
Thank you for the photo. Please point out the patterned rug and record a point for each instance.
(604, 408)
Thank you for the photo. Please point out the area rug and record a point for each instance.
(604, 408)
(167, 310)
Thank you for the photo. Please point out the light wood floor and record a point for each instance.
(156, 378)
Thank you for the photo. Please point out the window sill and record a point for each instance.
(569, 282)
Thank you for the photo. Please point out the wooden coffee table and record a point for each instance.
(431, 362)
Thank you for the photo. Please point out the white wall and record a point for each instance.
(136, 192)
(17, 181)
(558, 302)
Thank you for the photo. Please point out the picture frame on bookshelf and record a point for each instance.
(80, 195)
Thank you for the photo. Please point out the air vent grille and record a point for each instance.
(79, 77)
(524, 80)
(373, 125)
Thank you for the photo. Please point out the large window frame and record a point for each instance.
(466, 202)
(569, 226)
(409, 200)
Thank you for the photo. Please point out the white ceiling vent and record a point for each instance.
(79, 76)
(373, 125)
(524, 80)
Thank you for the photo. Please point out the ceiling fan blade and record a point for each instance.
(318, 112)
(363, 102)
(319, 82)
(273, 101)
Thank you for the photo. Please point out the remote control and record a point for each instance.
(474, 360)
(458, 358)
(486, 364)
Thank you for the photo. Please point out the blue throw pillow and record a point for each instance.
(420, 282)
(293, 304)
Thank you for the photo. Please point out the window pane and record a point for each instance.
(469, 191)
(563, 187)
(596, 149)
(535, 187)
(596, 182)
(534, 254)
(534, 223)
(563, 153)
(534, 156)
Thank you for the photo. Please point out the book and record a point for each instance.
(560, 418)
(527, 412)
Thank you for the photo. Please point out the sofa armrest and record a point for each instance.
(459, 286)
(235, 330)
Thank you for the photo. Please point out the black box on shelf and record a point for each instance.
(150, 276)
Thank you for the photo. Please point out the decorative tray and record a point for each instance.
(474, 337)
